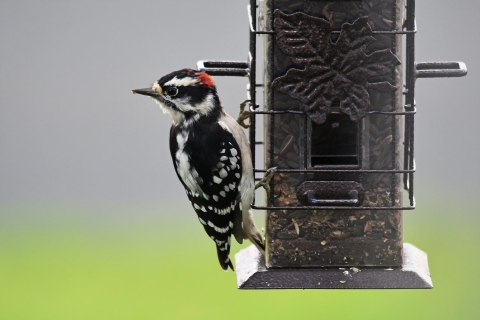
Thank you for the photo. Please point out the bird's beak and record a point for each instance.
(146, 92)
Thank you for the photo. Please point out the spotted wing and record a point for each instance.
(209, 166)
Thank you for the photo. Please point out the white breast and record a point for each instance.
(187, 173)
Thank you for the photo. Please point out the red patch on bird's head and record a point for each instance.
(205, 79)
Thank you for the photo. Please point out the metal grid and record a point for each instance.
(412, 71)
(409, 169)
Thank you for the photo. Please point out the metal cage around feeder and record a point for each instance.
(339, 108)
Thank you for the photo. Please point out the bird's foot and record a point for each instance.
(265, 181)
(244, 114)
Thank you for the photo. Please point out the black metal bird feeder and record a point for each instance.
(339, 110)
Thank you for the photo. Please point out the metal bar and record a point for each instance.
(278, 112)
(360, 149)
(224, 68)
(408, 62)
(306, 161)
(369, 112)
(223, 64)
(252, 7)
(388, 32)
(226, 72)
(411, 160)
(265, 32)
(336, 171)
(338, 32)
(446, 69)
(333, 208)
(272, 99)
(353, 201)
(393, 146)
(336, 156)
(406, 147)
(253, 73)
(410, 97)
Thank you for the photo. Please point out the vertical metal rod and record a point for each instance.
(253, 69)
(360, 149)
(306, 147)
(394, 177)
(411, 164)
(272, 98)
(406, 151)
(411, 88)
(406, 135)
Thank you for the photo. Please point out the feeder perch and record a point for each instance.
(338, 109)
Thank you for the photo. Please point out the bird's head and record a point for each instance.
(185, 94)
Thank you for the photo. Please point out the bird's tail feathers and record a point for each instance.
(224, 260)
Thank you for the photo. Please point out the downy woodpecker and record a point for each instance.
(211, 156)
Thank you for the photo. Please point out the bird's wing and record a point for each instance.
(209, 166)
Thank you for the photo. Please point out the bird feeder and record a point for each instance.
(339, 110)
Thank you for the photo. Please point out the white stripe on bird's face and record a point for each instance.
(185, 104)
(183, 82)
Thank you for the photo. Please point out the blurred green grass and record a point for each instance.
(164, 270)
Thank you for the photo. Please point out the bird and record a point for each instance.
(211, 156)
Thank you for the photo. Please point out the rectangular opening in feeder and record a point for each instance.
(334, 142)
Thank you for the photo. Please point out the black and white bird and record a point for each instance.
(211, 156)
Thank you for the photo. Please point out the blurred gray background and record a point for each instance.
(73, 136)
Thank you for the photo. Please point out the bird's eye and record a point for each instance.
(171, 91)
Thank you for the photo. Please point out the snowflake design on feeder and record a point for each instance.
(333, 71)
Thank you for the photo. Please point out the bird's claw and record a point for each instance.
(265, 181)
(244, 114)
